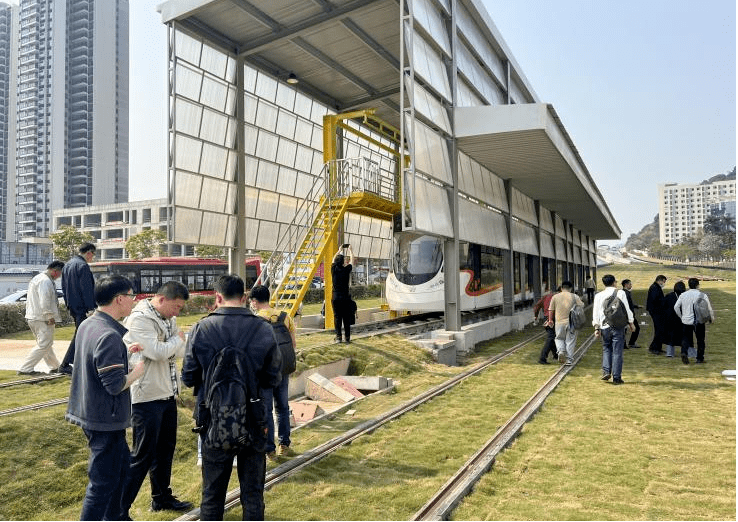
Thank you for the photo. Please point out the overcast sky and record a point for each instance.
(646, 90)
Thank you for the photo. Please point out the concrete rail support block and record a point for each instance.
(305, 411)
(319, 388)
(298, 381)
(368, 383)
(347, 386)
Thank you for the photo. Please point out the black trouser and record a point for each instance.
(216, 472)
(342, 314)
(549, 345)
(688, 341)
(106, 471)
(659, 325)
(154, 426)
(634, 335)
(69, 356)
(590, 295)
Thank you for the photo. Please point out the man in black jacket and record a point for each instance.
(232, 324)
(78, 286)
(627, 287)
(655, 307)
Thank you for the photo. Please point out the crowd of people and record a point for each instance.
(675, 316)
(122, 362)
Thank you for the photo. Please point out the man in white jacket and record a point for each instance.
(613, 339)
(684, 308)
(42, 314)
(153, 325)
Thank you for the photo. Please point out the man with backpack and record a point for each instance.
(231, 329)
(558, 318)
(284, 331)
(694, 309)
(610, 315)
(550, 344)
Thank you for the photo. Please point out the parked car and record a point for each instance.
(21, 295)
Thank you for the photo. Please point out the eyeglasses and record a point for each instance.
(131, 295)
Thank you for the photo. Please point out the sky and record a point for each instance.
(646, 89)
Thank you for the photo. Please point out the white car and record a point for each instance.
(21, 295)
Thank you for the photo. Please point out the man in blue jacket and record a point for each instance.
(99, 399)
(232, 324)
(78, 286)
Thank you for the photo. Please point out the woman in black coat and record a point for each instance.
(673, 330)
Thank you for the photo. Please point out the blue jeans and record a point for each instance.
(217, 466)
(107, 471)
(613, 342)
(278, 398)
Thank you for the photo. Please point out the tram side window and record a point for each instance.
(492, 262)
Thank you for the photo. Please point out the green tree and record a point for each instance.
(67, 241)
(149, 243)
(210, 251)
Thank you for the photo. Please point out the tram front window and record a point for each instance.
(417, 258)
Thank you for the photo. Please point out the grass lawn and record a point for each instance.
(661, 447)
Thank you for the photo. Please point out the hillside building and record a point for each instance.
(684, 207)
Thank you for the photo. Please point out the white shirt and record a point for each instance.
(598, 307)
(684, 306)
(42, 303)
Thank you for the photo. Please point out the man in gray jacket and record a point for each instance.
(153, 325)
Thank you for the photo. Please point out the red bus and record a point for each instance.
(198, 274)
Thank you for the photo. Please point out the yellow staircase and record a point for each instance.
(298, 277)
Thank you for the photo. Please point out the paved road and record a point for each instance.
(13, 353)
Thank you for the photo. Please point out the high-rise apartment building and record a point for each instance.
(684, 207)
(72, 109)
(8, 56)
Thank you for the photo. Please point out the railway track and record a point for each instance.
(32, 380)
(440, 506)
(37, 406)
(310, 457)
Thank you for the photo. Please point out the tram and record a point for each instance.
(416, 282)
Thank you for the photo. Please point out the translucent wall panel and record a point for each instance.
(478, 76)
(575, 237)
(523, 207)
(471, 32)
(429, 17)
(547, 246)
(559, 226)
(432, 208)
(430, 107)
(516, 92)
(561, 251)
(429, 65)
(467, 97)
(494, 231)
(524, 238)
(481, 184)
(431, 154)
(577, 256)
(545, 221)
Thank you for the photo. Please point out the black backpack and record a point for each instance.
(284, 342)
(236, 416)
(615, 313)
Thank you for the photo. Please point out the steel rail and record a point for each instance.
(312, 456)
(440, 506)
(37, 406)
(33, 380)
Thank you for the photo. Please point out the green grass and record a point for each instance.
(661, 447)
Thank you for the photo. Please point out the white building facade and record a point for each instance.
(8, 58)
(72, 109)
(112, 225)
(683, 208)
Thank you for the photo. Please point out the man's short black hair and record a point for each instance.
(86, 247)
(661, 277)
(608, 280)
(230, 286)
(693, 282)
(107, 287)
(260, 293)
(55, 265)
(174, 290)
(625, 282)
(680, 287)
(567, 284)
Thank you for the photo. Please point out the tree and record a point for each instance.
(711, 245)
(67, 241)
(148, 243)
(210, 251)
